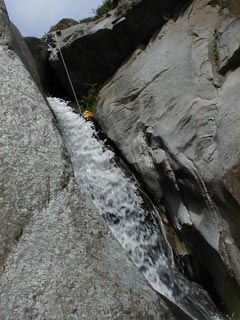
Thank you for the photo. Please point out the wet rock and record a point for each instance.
(49, 81)
(68, 265)
(177, 122)
(57, 257)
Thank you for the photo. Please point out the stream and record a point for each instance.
(136, 226)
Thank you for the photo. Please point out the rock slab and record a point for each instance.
(176, 120)
(58, 259)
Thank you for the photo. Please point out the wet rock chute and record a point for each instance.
(118, 200)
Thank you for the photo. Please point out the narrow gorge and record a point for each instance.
(138, 219)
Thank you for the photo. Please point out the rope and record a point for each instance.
(68, 75)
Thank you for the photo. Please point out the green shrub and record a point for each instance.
(103, 8)
(89, 100)
(222, 4)
(122, 9)
(99, 12)
(124, 6)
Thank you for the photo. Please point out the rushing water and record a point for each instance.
(118, 199)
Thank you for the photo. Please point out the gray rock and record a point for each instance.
(33, 168)
(68, 266)
(57, 258)
(19, 45)
(229, 45)
(47, 77)
(63, 24)
(93, 51)
(177, 122)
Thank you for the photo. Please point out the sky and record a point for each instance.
(35, 17)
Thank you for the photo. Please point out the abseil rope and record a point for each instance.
(68, 75)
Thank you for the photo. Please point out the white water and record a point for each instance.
(118, 200)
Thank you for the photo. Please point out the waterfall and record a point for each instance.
(118, 199)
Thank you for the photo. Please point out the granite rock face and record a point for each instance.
(93, 51)
(176, 120)
(47, 76)
(25, 55)
(57, 258)
(228, 45)
(68, 266)
(33, 167)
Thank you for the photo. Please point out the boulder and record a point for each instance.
(57, 257)
(176, 120)
(63, 24)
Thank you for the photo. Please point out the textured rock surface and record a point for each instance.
(228, 45)
(94, 51)
(68, 266)
(49, 81)
(25, 55)
(58, 260)
(63, 24)
(177, 122)
(31, 153)
(234, 7)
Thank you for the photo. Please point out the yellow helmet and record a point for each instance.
(88, 115)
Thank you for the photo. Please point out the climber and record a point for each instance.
(100, 135)
(51, 42)
(88, 115)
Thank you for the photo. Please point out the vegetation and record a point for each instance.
(103, 8)
(90, 98)
(222, 4)
(99, 12)
(124, 6)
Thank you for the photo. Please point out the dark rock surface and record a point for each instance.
(93, 51)
(228, 45)
(176, 120)
(48, 78)
(57, 257)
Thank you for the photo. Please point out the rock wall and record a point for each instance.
(93, 51)
(173, 110)
(33, 167)
(49, 81)
(57, 258)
